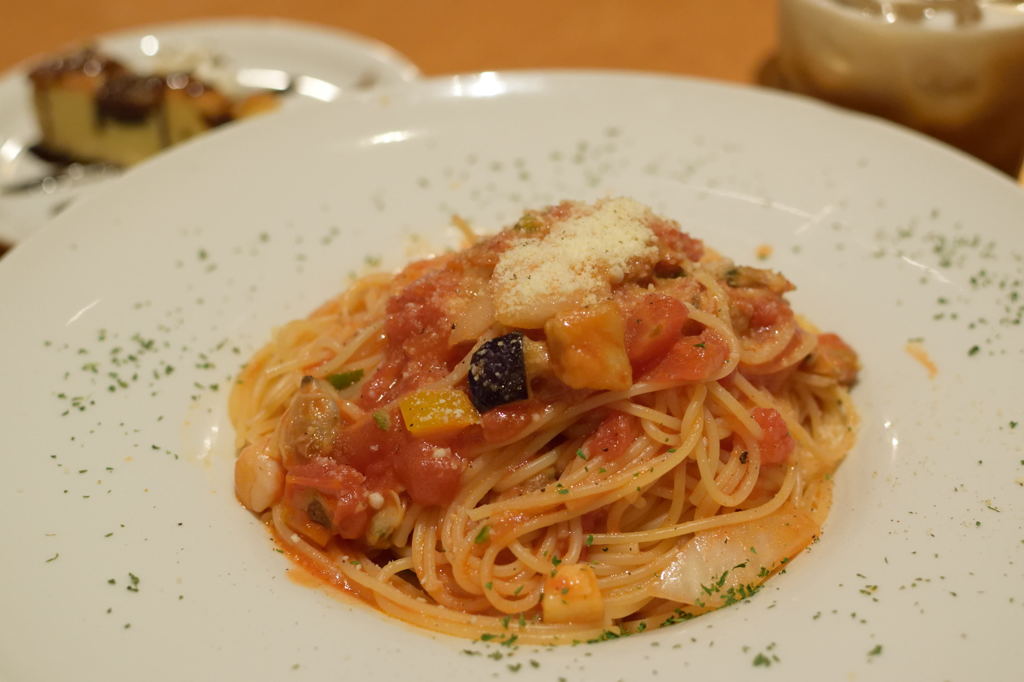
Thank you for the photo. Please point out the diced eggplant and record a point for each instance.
(497, 373)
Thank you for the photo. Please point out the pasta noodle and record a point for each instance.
(584, 426)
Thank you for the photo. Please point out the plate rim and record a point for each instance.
(12, 233)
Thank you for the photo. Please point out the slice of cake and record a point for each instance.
(92, 108)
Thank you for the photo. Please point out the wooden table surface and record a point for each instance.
(723, 39)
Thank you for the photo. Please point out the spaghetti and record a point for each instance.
(584, 426)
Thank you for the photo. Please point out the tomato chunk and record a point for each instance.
(775, 443)
(429, 472)
(613, 436)
(691, 358)
(653, 325)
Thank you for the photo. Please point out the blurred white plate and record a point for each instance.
(322, 63)
(167, 279)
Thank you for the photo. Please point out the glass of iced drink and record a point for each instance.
(951, 68)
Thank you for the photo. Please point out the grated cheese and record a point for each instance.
(575, 263)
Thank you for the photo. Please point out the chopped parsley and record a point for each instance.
(678, 616)
(482, 535)
(382, 420)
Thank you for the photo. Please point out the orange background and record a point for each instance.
(724, 39)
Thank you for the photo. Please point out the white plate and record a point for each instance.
(324, 62)
(889, 237)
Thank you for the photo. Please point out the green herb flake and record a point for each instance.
(974, 350)
(589, 541)
(483, 535)
(382, 421)
(53, 558)
(344, 379)
(875, 651)
(762, 661)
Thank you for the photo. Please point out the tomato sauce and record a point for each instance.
(416, 328)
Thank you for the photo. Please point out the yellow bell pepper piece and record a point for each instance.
(430, 412)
